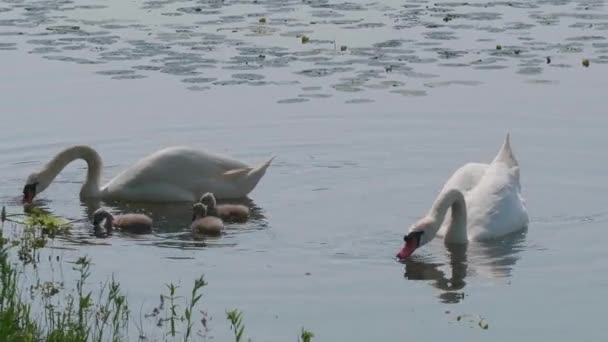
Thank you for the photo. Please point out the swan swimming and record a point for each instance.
(479, 202)
(202, 224)
(173, 174)
(132, 223)
(228, 212)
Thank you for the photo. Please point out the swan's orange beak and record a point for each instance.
(408, 249)
(412, 242)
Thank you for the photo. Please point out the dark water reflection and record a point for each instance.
(493, 259)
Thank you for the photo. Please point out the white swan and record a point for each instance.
(174, 174)
(479, 202)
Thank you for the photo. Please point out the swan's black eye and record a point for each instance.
(414, 235)
(417, 236)
(30, 189)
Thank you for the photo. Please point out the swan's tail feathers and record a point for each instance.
(236, 173)
(505, 154)
(248, 171)
(248, 176)
(260, 169)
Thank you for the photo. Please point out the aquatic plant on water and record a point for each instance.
(306, 336)
(49, 310)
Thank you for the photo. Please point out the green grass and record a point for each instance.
(306, 336)
(35, 309)
(236, 324)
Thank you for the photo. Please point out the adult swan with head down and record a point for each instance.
(174, 174)
(479, 202)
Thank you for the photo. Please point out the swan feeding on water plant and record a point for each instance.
(202, 224)
(479, 202)
(131, 223)
(227, 212)
(174, 174)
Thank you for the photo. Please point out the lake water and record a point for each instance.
(368, 119)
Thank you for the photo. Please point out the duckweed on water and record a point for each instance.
(305, 39)
(48, 224)
(586, 63)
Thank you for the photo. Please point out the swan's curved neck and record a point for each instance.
(457, 229)
(90, 188)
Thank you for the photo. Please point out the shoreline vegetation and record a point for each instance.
(47, 310)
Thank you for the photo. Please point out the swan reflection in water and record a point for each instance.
(489, 259)
(172, 220)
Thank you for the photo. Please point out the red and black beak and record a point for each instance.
(29, 192)
(412, 242)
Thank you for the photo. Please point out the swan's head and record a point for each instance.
(199, 210)
(419, 235)
(35, 184)
(209, 200)
(101, 214)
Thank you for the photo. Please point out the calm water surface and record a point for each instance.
(368, 119)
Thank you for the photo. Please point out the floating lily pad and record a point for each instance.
(410, 93)
(64, 29)
(293, 100)
(322, 72)
(315, 96)
(359, 101)
(530, 71)
(199, 80)
(449, 83)
(248, 77)
(128, 77)
(115, 72)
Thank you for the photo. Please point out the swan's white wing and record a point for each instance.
(175, 174)
(466, 177)
(495, 207)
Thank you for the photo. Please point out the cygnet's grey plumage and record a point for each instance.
(204, 224)
(227, 212)
(131, 223)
